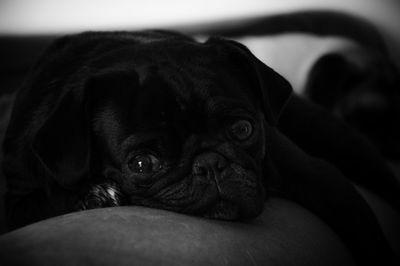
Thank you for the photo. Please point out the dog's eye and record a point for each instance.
(144, 164)
(241, 130)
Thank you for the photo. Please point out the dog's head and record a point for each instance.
(177, 124)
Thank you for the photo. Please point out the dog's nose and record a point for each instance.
(207, 163)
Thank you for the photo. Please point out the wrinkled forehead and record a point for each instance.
(193, 73)
(187, 69)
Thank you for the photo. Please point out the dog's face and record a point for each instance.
(180, 127)
(187, 141)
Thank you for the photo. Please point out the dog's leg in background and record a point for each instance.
(37, 205)
(322, 188)
(321, 135)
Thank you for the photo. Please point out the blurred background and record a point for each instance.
(342, 54)
(26, 25)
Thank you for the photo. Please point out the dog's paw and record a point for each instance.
(101, 195)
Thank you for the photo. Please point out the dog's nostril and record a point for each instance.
(199, 170)
(221, 164)
(206, 163)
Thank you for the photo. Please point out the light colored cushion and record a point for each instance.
(285, 234)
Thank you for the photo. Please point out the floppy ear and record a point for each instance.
(62, 144)
(271, 88)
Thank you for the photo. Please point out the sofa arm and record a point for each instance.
(285, 234)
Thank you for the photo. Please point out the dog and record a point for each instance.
(157, 119)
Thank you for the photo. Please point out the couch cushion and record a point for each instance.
(285, 234)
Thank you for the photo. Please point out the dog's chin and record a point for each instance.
(223, 210)
(230, 211)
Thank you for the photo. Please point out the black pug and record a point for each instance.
(157, 119)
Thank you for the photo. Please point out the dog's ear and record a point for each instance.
(271, 88)
(62, 144)
(60, 91)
